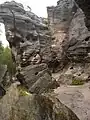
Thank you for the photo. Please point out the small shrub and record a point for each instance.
(77, 82)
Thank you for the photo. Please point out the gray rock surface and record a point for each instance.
(59, 18)
(71, 36)
(74, 47)
(30, 42)
(77, 48)
(85, 6)
(17, 106)
(61, 15)
(77, 98)
(37, 78)
(73, 71)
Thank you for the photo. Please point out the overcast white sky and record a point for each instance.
(38, 7)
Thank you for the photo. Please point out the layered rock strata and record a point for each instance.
(59, 18)
(30, 42)
(85, 6)
(73, 49)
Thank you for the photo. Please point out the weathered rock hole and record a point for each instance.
(71, 68)
(53, 65)
(28, 37)
(20, 78)
(34, 38)
(36, 73)
(87, 38)
(79, 74)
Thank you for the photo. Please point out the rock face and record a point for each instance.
(85, 6)
(71, 36)
(77, 72)
(14, 106)
(37, 77)
(77, 99)
(30, 32)
(30, 42)
(33, 52)
(61, 15)
(77, 47)
(60, 18)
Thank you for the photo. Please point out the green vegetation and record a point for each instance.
(6, 59)
(23, 91)
(1, 53)
(77, 82)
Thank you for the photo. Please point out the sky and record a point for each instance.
(2, 35)
(39, 7)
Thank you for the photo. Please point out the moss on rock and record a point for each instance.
(23, 91)
(77, 82)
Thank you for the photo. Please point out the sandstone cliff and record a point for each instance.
(72, 47)
(30, 41)
(37, 47)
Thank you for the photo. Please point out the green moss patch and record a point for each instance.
(23, 91)
(77, 82)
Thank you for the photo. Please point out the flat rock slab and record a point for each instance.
(77, 98)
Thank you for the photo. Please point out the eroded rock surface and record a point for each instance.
(85, 6)
(71, 36)
(75, 50)
(30, 42)
(34, 51)
(61, 15)
(59, 18)
(14, 106)
(78, 45)
(73, 45)
(77, 98)
(74, 71)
